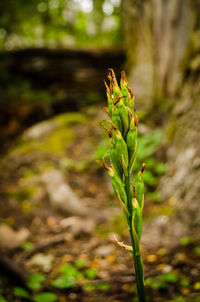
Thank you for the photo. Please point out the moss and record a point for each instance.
(116, 224)
(73, 118)
(164, 210)
(171, 130)
(21, 194)
(56, 140)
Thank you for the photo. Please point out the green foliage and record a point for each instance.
(64, 282)
(21, 292)
(147, 147)
(71, 274)
(163, 281)
(94, 287)
(185, 241)
(69, 270)
(197, 250)
(13, 87)
(185, 282)
(68, 277)
(45, 297)
(35, 281)
(2, 299)
(169, 278)
(180, 299)
(60, 22)
(26, 246)
(80, 263)
(91, 273)
(103, 286)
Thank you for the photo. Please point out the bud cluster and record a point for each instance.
(123, 136)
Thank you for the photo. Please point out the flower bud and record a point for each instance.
(113, 83)
(124, 87)
(119, 155)
(130, 100)
(137, 217)
(118, 185)
(124, 115)
(139, 187)
(116, 119)
(131, 140)
(119, 188)
(109, 97)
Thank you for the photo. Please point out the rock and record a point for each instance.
(163, 231)
(11, 239)
(61, 195)
(42, 261)
(78, 225)
(104, 250)
(40, 130)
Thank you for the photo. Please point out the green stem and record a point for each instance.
(128, 192)
(139, 271)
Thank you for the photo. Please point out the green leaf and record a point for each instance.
(80, 263)
(149, 178)
(35, 281)
(197, 250)
(2, 299)
(154, 196)
(21, 292)
(90, 273)
(169, 278)
(180, 299)
(69, 270)
(185, 241)
(103, 286)
(160, 168)
(148, 281)
(27, 246)
(45, 297)
(197, 286)
(185, 282)
(89, 287)
(64, 282)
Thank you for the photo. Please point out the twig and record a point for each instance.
(43, 245)
(121, 279)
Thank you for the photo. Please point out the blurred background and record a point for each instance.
(58, 212)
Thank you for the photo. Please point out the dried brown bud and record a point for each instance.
(123, 76)
(130, 112)
(110, 77)
(117, 99)
(106, 111)
(113, 75)
(107, 88)
(103, 164)
(136, 119)
(143, 168)
(130, 92)
(134, 191)
(111, 123)
(109, 132)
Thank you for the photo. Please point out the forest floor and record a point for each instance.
(73, 258)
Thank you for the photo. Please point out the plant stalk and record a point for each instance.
(139, 271)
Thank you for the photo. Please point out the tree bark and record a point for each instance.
(163, 42)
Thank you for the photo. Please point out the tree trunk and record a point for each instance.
(163, 43)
